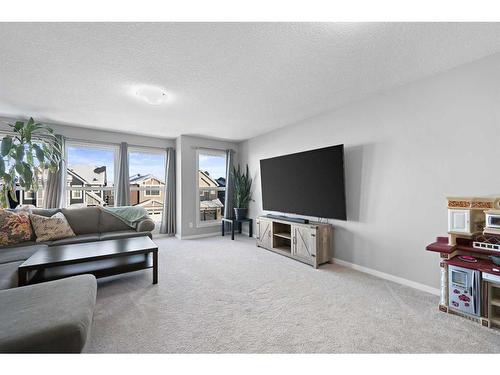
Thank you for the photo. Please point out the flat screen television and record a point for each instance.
(306, 183)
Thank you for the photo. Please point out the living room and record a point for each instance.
(249, 187)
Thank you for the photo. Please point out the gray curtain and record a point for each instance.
(229, 201)
(53, 195)
(168, 217)
(123, 183)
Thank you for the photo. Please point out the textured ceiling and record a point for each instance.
(225, 80)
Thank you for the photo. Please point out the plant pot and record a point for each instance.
(240, 213)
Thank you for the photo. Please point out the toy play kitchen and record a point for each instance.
(470, 260)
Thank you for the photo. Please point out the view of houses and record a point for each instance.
(88, 186)
(211, 197)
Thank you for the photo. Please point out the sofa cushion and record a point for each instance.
(17, 253)
(45, 211)
(15, 227)
(83, 220)
(51, 317)
(120, 234)
(51, 228)
(76, 239)
(110, 223)
(8, 276)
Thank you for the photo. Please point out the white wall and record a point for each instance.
(91, 135)
(187, 176)
(405, 151)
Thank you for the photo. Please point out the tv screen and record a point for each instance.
(307, 183)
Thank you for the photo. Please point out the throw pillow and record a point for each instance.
(51, 228)
(15, 227)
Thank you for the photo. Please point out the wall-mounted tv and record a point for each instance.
(306, 183)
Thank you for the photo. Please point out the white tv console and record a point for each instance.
(308, 243)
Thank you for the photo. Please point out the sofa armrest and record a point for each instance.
(146, 225)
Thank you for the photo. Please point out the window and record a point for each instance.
(147, 180)
(151, 191)
(76, 194)
(29, 195)
(90, 174)
(26, 197)
(211, 186)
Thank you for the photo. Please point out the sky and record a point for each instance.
(214, 165)
(139, 162)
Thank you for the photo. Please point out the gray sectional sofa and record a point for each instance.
(32, 323)
(89, 224)
(55, 316)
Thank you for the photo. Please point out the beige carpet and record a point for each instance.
(217, 296)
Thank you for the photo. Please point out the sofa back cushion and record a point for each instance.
(83, 220)
(15, 227)
(110, 223)
(48, 212)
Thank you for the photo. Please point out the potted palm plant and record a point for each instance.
(242, 192)
(26, 153)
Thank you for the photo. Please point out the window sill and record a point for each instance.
(206, 224)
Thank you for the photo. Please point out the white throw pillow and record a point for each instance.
(51, 228)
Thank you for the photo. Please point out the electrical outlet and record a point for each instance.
(190, 224)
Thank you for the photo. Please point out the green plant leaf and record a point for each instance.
(39, 153)
(30, 140)
(19, 167)
(18, 126)
(20, 152)
(6, 145)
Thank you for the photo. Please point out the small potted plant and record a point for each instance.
(25, 154)
(242, 192)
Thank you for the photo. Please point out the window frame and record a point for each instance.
(203, 151)
(95, 145)
(149, 150)
(73, 191)
(145, 188)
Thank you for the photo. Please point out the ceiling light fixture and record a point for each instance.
(151, 94)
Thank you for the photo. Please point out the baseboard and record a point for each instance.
(387, 276)
(195, 236)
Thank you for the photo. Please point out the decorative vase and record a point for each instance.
(240, 213)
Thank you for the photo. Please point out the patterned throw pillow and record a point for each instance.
(15, 227)
(51, 228)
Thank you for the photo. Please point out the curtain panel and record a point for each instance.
(229, 200)
(168, 225)
(53, 195)
(123, 184)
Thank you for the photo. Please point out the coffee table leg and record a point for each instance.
(223, 222)
(155, 267)
(232, 230)
(250, 229)
(21, 277)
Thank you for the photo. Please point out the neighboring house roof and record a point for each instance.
(138, 178)
(215, 203)
(221, 181)
(206, 180)
(89, 175)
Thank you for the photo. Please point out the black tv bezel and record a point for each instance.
(343, 218)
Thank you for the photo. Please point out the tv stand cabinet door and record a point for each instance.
(304, 243)
(264, 233)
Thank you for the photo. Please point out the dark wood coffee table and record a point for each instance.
(100, 258)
